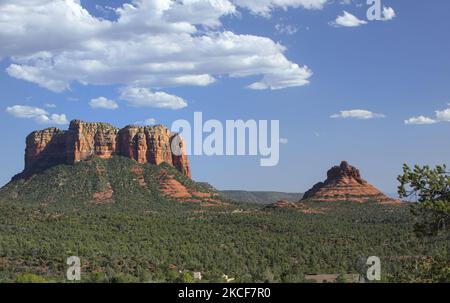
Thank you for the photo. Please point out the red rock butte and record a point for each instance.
(344, 183)
(149, 144)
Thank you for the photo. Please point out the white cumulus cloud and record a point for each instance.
(38, 114)
(284, 140)
(265, 7)
(360, 114)
(205, 12)
(420, 120)
(347, 20)
(59, 119)
(144, 97)
(287, 29)
(102, 102)
(152, 43)
(388, 13)
(23, 111)
(440, 116)
(149, 121)
(443, 115)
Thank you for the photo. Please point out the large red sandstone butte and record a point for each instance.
(344, 183)
(149, 144)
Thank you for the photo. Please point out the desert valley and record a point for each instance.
(127, 206)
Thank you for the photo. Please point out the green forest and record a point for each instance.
(142, 236)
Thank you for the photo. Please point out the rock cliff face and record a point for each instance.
(150, 144)
(344, 183)
(87, 139)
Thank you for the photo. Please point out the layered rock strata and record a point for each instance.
(149, 144)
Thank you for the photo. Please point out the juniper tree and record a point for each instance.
(431, 189)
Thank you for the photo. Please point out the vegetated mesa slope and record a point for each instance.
(260, 197)
(127, 223)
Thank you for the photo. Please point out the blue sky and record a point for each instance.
(398, 68)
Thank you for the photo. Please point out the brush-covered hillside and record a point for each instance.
(131, 222)
(260, 197)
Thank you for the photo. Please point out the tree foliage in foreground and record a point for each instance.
(431, 188)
